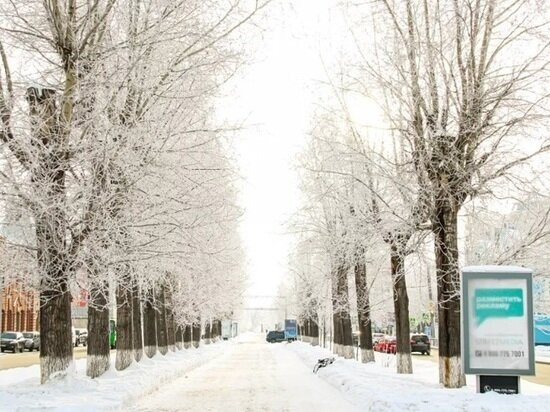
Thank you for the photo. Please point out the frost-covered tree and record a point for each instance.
(468, 98)
(124, 87)
(42, 151)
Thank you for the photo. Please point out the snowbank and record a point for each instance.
(542, 353)
(377, 387)
(20, 388)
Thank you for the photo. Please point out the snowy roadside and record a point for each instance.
(20, 389)
(378, 387)
(542, 354)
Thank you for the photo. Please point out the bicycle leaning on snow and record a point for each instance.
(321, 363)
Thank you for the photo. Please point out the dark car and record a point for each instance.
(32, 341)
(420, 343)
(275, 336)
(13, 341)
(81, 337)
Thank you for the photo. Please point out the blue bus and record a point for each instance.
(291, 332)
(542, 329)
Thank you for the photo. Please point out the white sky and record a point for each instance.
(275, 95)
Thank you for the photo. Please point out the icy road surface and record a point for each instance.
(252, 376)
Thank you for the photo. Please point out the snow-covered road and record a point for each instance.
(251, 376)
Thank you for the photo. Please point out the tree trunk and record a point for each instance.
(336, 336)
(218, 330)
(401, 307)
(187, 337)
(347, 331)
(162, 335)
(196, 334)
(207, 332)
(149, 326)
(98, 356)
(179, 337)
(314, 332)
(136, 322)
(336, 333)
(324, 333)
(213, 326)
(363, 312)
(56, 348)
(451, 374)
(213, 333)
(124, 341)
(170, 322)
(343, 315)
(54, 260)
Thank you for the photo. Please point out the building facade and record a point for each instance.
(20, 308)
(79, 309)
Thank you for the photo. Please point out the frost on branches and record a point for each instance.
(114, 170)
(462, 114)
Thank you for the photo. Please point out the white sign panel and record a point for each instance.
(497, 314)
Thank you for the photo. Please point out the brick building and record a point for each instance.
(19, 308)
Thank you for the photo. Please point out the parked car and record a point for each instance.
(420, 343)
(32, 341)
(81, 337)
(275, 336)
(13, 341)
(387, 344)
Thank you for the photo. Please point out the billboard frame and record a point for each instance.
(500, 273)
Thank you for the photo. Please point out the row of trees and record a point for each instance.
(115, 178)
(463, 103)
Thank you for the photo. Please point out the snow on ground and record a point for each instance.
(247, 374)
(377, 387)
(253, 376)
(20, 388)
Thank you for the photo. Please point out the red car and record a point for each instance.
(386, 345)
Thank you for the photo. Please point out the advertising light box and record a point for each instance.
(497, 321)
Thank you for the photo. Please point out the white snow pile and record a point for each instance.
(377, 386)
(20, 388)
